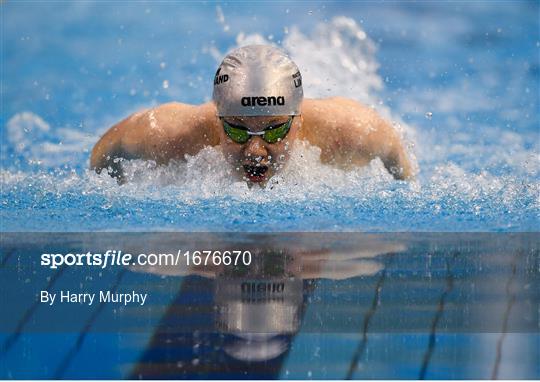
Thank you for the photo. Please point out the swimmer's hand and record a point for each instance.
(397, 163)
(108, 156)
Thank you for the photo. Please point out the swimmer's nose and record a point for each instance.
(255, 148)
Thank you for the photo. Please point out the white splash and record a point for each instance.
(24, 129)
(34, 139)
(345, 63)
(221, 19)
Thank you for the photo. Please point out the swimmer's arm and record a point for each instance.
(167, 132)
(132, 138)
(350, 133)
(384, 142)
(109, 150)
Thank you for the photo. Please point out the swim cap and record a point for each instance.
(257, 80)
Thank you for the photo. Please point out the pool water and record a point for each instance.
(459, 80)
(308, 306)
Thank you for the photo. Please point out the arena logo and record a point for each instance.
(263, 287)
(219, 79)
(263, 101)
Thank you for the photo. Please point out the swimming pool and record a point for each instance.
(461, 81)
(308, 306)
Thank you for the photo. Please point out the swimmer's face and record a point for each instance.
(257, 160)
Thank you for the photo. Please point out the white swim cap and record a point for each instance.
(257, 80)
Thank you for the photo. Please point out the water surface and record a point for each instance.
(460, 81)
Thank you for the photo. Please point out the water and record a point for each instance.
(460, 81)
(308, 306)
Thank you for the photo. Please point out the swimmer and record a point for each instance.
(257, 113)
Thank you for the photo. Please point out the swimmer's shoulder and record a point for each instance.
(174, 120)
(325, 116)
(332, 107)
(177, 117)
(161, 133)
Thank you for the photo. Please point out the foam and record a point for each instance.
(204, 176)
(33, 139)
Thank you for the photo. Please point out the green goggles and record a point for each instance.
(272, 134)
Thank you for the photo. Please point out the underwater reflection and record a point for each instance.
(315, 305)
(239, 321)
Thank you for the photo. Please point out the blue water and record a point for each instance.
(460, 80)
(353, 305)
